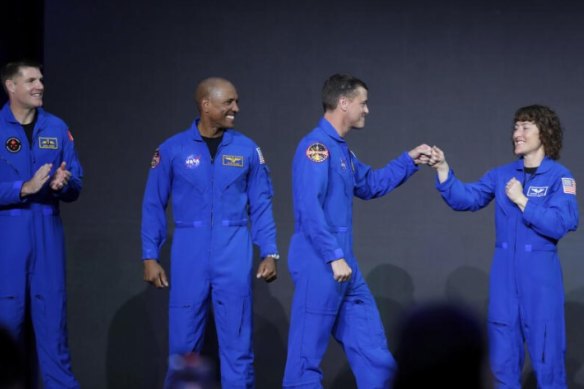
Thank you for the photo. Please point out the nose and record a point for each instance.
(38, 84)
(235, 107)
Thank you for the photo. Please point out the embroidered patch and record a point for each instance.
(317, 152)
(48, 143)
(569, 185)
(13, 145)
(155, 159)
(70, 135)
(343, 164)
(260, 156)
(537, 191)
(233, 160)
(193, 161)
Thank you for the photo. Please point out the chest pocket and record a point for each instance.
(47, 156)
(232, 178)
(342, 167)
(192, 170)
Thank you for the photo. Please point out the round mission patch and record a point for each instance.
(13, 145)
(317, 152)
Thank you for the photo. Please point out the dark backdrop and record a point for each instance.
(122, 74)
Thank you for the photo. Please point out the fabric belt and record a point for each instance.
(23, 211)
(201, 223)
(529, 247)
(298, 228)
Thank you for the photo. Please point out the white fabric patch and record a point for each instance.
(260, 156)
(537, 191)
(569, 185)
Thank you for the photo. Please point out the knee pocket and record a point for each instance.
(233, 320)
(547, 348)
(369, 330)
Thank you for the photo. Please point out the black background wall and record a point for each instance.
(21, 32)
(452, 73)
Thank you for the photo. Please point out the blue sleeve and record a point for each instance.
(310, 184)
(556, 217)
(72, 190)
(370, 183)
(259, 188)
(467, 197)
(154, 204)
(10, 193)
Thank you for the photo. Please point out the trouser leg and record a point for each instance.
(317, 299)
(506, 353)
(48, 304)
(360, 330)
(547, 347)
(233, 320)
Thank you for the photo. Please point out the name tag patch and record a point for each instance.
(537, 191)
(233, 160)
(48, 143)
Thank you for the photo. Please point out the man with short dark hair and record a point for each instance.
(536, 206)
(38, 169)
(331, 296)
(219, 183)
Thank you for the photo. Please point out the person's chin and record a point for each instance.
(228, 123)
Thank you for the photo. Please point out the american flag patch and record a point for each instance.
(569, 185)
(260, 156)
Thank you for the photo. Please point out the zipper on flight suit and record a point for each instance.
(213, 189)
(524, 183)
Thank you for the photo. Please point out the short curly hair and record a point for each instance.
(548, 123)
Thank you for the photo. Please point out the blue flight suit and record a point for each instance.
(213, 202)
(526, 290)
(32, 259)
(326, 176)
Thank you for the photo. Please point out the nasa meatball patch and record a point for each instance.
(155, 159)
(13, 145)
(193, 161)
(317, 152)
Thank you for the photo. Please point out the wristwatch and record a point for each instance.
(276, 256)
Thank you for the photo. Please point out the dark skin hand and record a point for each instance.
(267, 269)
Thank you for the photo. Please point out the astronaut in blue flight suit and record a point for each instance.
(535, 206)
(38, 169)
(331, 296)
(219, 183)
